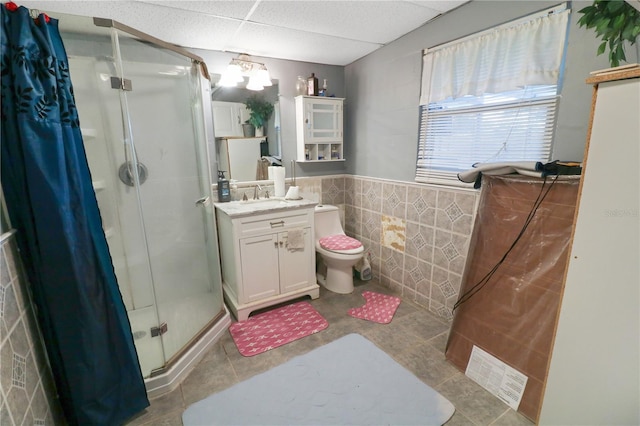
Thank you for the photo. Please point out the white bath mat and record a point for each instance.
(346, 382)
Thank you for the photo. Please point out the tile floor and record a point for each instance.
(415, 338)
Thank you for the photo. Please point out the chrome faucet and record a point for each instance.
(256, 192)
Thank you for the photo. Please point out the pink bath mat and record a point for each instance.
(379, 308)
(278, 327)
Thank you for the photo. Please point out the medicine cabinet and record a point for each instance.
(319, 126)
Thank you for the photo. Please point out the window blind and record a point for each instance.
(513, 126)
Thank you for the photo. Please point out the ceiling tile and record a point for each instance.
(260, 40)
(439, 5)
(102, 9)
(183, 28)
(204, 32)
(379, 22)
(231, 9)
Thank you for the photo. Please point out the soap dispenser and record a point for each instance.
(224, 191)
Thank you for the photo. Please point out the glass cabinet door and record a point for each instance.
(325, 119)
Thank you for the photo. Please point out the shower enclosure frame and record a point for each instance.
(178, 365)
(110, 23)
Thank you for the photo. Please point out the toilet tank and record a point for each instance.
(327, 221)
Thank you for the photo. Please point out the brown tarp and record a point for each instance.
(513, 317)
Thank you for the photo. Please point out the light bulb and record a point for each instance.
(233, 73)
(263, 77)
(254, 83)
(227, 81)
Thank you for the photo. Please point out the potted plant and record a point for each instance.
(614, 22)
(260, 111)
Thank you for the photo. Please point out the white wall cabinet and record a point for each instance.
(228, 118)
(259, 268)
(594, 373)
(319, 127)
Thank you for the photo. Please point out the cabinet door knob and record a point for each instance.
(280, 243)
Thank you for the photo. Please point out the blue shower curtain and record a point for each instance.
(51, 202)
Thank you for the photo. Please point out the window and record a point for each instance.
(491, 97)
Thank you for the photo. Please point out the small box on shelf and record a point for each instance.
(324, 152)
(336, 153)
(311, 152)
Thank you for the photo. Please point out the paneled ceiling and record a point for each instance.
(328, 32)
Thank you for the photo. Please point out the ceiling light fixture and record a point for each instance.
(241, 66)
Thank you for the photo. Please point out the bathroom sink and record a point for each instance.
(248, 207)
(263, 201)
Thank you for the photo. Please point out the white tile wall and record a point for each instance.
(417, 235)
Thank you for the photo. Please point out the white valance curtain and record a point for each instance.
(498, 60)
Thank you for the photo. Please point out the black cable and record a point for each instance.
(484, 280)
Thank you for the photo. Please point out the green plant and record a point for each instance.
(615, 22)
(260, 110)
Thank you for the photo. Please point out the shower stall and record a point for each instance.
(145, 119)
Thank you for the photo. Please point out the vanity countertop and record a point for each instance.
(266, 205)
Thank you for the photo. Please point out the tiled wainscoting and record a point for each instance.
(27, 392)
(417, 235)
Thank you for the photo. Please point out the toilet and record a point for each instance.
(336, 252)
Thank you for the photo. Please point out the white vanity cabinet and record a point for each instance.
(259, 268)
(319, 127)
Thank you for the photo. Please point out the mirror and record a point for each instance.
(238, 155)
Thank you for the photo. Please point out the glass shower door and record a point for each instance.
(159, 222)
(164, 108)
(104, 134)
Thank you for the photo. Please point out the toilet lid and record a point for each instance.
(339, 242)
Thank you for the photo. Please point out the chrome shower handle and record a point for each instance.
(202, 201)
